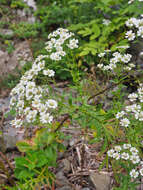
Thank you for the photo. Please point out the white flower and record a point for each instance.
(39, 58)
(29, 94)
(126, 146)
(140, 32)
(12, 101)
(106, 68)
(101, 54)
(120, 114)
(134, 173)
(20, 104)
(132, 65)
(49, 72)
(141, 171)
(42, 108)
(133, 97)
(36, 103)
(130, 35)
(21, 97)
(62, 53)
(73, 43)
(141, 98)
(127, 68)
(118, 148)
(52, 103)
(21, 89)
(27, 110)
(31, 117)
(139, 116)
(110, 152)
(124, 122)
(135, 159)
(100, 65)
(141, 163)
(17, 122)
(46, 118)
(41, 65)
(49, 46)
(55, 56)
(125, 156)
(140, 23)
(126, 58)
(30, 85)
(140, 90)
(129, 2)
(112, 66)
(134, 151)
(116, 155)
(133, 108)
(117, 55)
(106, 22)
(131, 22)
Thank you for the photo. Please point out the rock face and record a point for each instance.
(101, 181)
(8, 63)
(9, 135)
(9, 138)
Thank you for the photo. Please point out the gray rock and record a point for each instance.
(67, 166)
(10, 137)
(8, 63)
(85, 188)
(21, 13)
(101, 181)
(4, 103)
(62, 179)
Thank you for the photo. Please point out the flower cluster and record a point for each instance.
(134, 109)
(136, 29)
(115, 60)
(60, 39)
(128, 153)
(138, 25)
(29, 99)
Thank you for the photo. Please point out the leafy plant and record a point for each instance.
(32, 170)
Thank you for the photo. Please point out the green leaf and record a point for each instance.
(51, 155)
(96, 31)
(84, 52)
(85, 32)
(93, 51)
(23, 146)
(42, 160)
